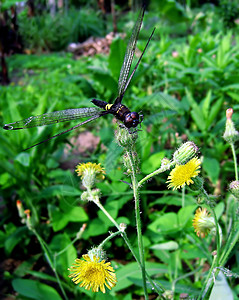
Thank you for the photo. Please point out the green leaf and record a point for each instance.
(215, 109)
(221, 289)
(14, 239)
(185, 214)
(171, 245)
(23, 159)
(61, 217)
(59, 190)
(152, 163)
(212, 167)
(62, 243)
(206, 104)
(132, 270)
(230, 87)
(116, 57)
(165, 224)
(104, 78)
(35, 289)
(196, 112)
(234, 96)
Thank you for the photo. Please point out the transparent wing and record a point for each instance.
(70, 129)
(124, 72)
(55, 117)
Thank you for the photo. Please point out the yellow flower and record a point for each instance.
(82, 169)
(183, 174)
(203, 223)
(93, 273)
(89, 172)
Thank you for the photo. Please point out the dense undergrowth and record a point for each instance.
(186, 81)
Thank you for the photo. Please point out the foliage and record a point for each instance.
(45, 32)
(183, 85)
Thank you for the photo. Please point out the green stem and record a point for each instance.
(49, 259)
(233, 240)
(158, 171)
(217, 235)
(107, 214)
(111, 236)
(124, 235)
(235, 160)
(183, 196)
(155, 286)
(138, 221)
(78, 236)
(207, 284)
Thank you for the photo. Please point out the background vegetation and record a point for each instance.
(187, 79)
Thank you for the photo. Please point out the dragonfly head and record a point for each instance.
(132, 119)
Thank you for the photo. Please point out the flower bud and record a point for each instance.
(124, 138)
(197, 184)
(29, 219)
(231, 134)
(85, 196)
(122, 226)
(20, 209)
(165, 163)
(234, 188)
(98, 253)
(185, 153)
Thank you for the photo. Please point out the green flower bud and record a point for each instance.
(231, 134)
(127, 162)
(85, 196)
(197, 184)
(185, 153)
(124, 138)
(234, 188)
(165, 162)
(97, 252)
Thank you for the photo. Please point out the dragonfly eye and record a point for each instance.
(131, 119)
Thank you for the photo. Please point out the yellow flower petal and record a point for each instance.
(183, 174)
(203, 223)
(93, 274)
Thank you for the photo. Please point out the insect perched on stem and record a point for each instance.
(119, 110)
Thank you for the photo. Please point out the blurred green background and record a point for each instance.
(187, 79)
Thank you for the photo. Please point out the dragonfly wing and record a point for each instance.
(136, 66)
(70, 129)
(54, 117)
(125, 69)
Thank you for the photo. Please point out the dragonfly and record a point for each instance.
(120, 111)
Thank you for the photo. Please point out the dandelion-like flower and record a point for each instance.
(89, 172)
(93, 273)
(89, 167)
(183, 174)
(203, 223)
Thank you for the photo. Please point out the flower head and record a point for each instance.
(203, 223)
(93, 273)
(89, 172)
(183, 174)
